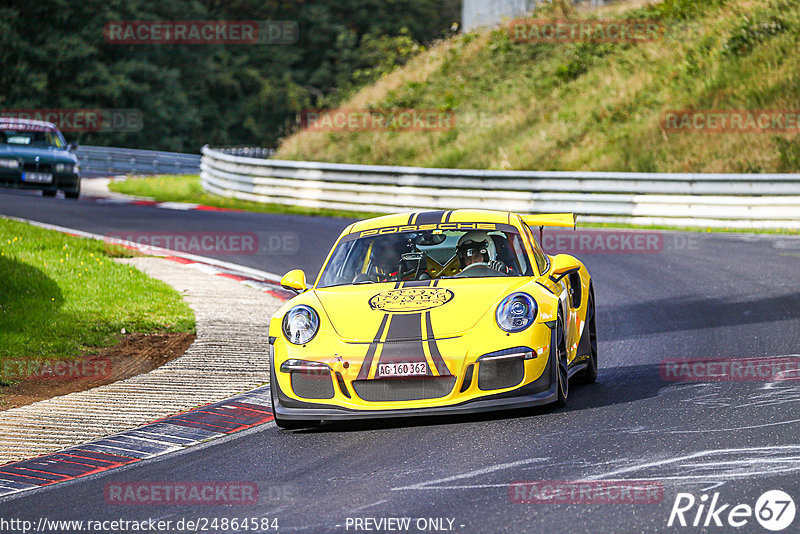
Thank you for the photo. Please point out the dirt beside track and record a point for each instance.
(135, 354)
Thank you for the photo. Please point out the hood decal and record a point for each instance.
(403, 336)
(410, 299)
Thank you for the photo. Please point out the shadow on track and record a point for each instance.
(696, 313)
(617, 385)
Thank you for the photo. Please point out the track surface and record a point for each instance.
(704, 295)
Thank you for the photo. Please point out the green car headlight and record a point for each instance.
(63, 167)
(9, 164)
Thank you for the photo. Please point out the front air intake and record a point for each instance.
(500, 373)
(315, 384)
(404, 389)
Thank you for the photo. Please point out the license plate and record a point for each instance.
(37, 177)
(402, 369)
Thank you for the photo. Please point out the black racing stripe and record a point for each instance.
(433, 348)
(404, 340)
(363, 373)
(447, 217)
(410, 219)
(430, 217)
(405, 326)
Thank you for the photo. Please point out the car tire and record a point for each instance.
(74, 194)
(561, 364)
(49, 194)
(589, 376)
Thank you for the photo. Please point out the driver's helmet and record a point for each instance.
(476, 243)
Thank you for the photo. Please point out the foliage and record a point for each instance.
(54, 55)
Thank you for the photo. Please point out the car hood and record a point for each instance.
(454, 306)
(46, 154)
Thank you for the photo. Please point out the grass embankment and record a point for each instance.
(187, 188)
(591, 106)
(62, 297)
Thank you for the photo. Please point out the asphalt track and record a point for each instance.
(699, 296)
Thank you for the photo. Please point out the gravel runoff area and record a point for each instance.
(229, 356)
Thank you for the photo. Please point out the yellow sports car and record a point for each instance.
(436, 312)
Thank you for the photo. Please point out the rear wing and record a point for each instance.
(562, 220)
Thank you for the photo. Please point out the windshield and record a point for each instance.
(31, 138)
(427, 255)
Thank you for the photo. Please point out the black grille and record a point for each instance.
(404, 389)
(499, 374)
(37, 167)
(316, 385)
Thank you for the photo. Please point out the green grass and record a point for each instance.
(187, 188)
(61, 296)
(593, 107)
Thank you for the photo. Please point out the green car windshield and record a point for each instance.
(427, 255)
(14, 137)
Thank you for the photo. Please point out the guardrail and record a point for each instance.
(248, 151)
(719, 200)
(97, 161)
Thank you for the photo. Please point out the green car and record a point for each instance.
(34, 155)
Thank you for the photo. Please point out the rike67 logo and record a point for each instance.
(774, 510)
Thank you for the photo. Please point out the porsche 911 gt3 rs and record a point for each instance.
(437, 312)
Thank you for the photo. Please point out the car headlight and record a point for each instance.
(63, 167)
(516, 312)
(9, 164)
(300, 324)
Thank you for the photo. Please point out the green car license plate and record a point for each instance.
(37, 177)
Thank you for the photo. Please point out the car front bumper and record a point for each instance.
(539, 392)
(61, 181)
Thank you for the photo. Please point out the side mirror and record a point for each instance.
(294, 281)
(73, 146)
(563, 265)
